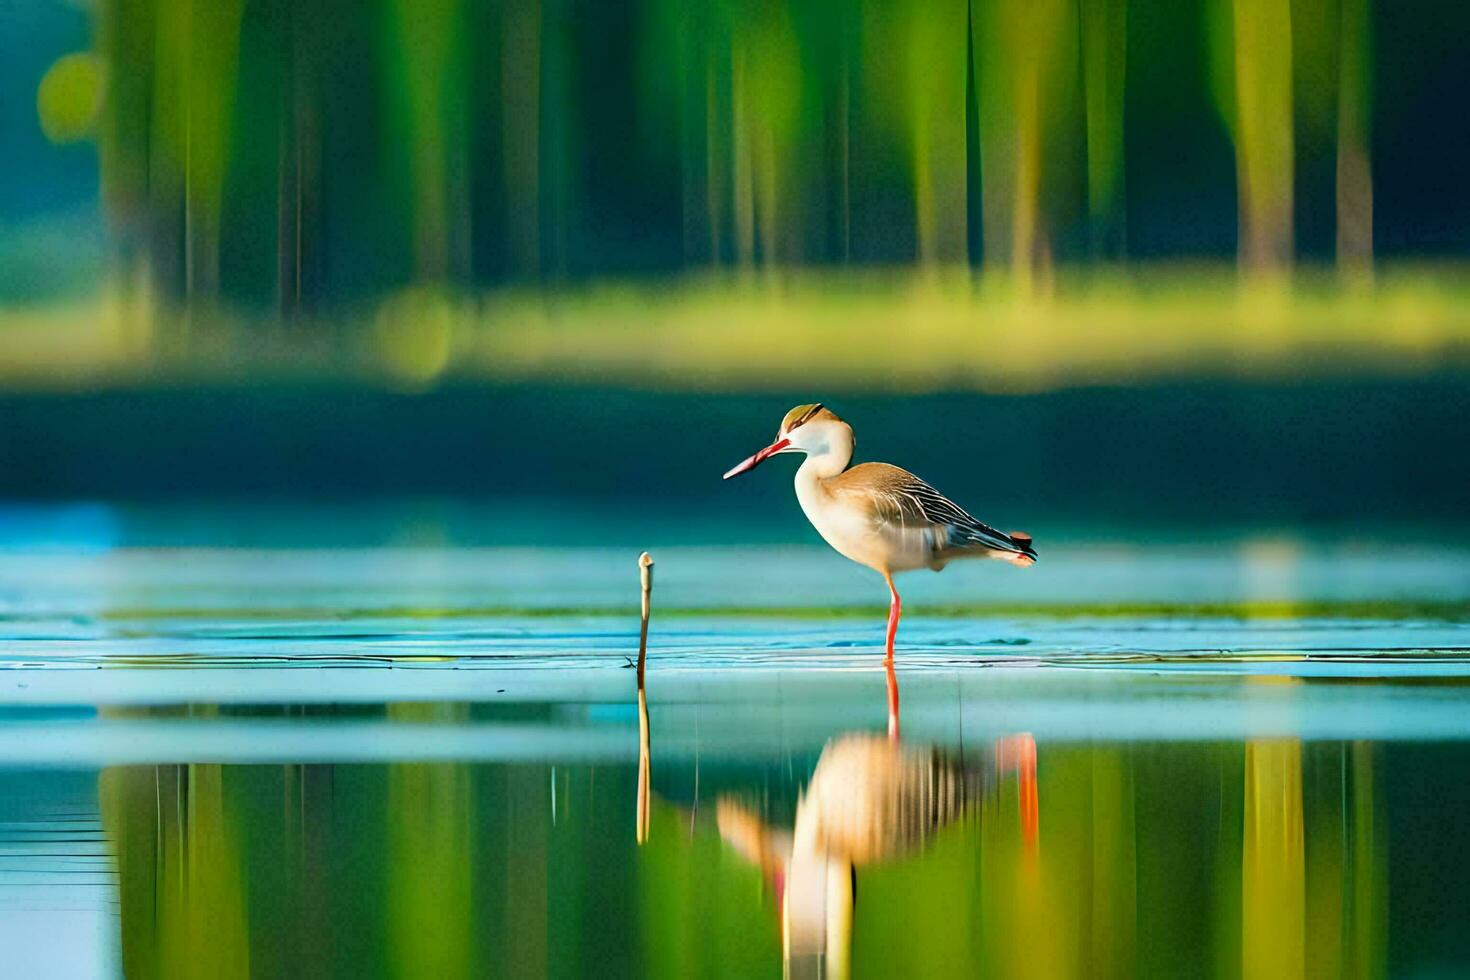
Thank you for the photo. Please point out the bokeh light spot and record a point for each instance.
(69, 96)
(413, 332)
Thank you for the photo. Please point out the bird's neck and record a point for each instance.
(831, 460)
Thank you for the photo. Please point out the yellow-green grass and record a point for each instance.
(883, 330)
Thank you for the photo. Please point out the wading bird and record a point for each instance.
(876, 514)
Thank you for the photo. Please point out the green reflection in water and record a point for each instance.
(181, 870)
(430, 815)
(705, 912)
(1266, 858)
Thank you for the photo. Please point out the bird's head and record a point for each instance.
(811, 429)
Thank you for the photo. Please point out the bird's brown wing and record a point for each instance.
(897, 497)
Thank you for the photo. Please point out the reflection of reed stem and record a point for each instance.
(645, 574)
(1273, 862)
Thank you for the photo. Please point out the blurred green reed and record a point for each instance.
(1255, 91)
(662, 190)
(322, 150)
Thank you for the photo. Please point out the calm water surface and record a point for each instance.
(418, 759)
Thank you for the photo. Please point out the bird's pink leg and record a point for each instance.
(895, 610)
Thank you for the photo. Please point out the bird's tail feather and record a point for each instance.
(1025, 556)
(980, 542)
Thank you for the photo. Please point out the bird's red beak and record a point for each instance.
(758, 458)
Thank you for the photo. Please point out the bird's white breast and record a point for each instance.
(848, 522)
(847, 527)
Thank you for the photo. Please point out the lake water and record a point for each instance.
(409, 746)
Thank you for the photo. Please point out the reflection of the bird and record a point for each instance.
(871, 798)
